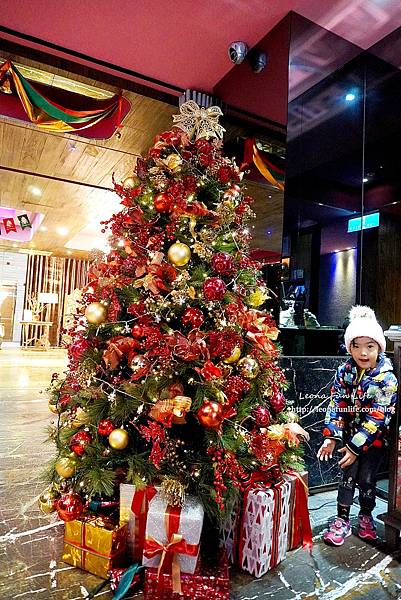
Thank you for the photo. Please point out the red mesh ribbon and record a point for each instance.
(176, 545)
(301, 527)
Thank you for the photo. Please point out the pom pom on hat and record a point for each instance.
(363, 323)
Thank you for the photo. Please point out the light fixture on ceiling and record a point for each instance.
(34, 190)
(350, 97)
(63, 231)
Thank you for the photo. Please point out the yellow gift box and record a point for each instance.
(95, 544)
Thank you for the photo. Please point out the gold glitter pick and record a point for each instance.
(199, 122)
(173, 491)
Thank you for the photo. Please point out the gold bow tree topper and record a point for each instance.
(199, 122)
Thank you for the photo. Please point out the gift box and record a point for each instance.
(210, 581)
(299, 531)
(95, 544)
(173, 534)
(263, 534)
(229, 533)
(134, 504)
(130, 578)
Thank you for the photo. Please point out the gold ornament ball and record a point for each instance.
(96, 313)
(130, 183)
(248, 367)
(47, 501)
(179, 254)
(119, 439)
(236, 353)
(65, 467)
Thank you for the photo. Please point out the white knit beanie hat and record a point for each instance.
(363, 323)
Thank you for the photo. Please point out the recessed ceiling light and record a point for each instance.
(62, 231)
(43, 228)
(34, 190)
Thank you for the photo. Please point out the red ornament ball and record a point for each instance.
(105, 427)
(222, 264)
(163, 202)
(193, 317)
(137, 331)
(277, 402)
(69, 507)
(214, 289)
(79, 441)
(210, 414)
(262, 416)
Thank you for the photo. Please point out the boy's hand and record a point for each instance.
(326, 449)
(347, 459)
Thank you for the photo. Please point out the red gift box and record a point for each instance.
(210, 581)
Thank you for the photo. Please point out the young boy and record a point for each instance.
(362, 403)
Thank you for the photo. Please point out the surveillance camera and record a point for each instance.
(237, 52)
(258, 60)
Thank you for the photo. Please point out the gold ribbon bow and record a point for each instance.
(199, 122)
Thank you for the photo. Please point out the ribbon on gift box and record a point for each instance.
(301, 527)
(140, 507)
(176, 545)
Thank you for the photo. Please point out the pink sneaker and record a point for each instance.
(338, 530)
(366, 528)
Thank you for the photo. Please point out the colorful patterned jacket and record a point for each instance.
(361, 405)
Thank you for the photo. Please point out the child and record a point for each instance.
(362, 403)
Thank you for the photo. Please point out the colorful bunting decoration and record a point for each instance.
(49, 115)
(264, 162)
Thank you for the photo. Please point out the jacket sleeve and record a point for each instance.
(382, 400)
(334, 422)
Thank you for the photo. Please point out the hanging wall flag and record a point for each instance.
(10, 226)
(24, 221)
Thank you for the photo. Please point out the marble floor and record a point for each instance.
(30, 542)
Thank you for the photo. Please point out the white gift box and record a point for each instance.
(229, 533)
(191, 522)
(264, 528)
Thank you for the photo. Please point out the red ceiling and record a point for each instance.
(184, 43)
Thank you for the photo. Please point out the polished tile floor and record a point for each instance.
(30, 543)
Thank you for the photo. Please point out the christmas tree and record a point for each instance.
(173, 376)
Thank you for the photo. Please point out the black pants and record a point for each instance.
(364, 473)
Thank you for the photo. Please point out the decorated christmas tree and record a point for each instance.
(173, 376)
